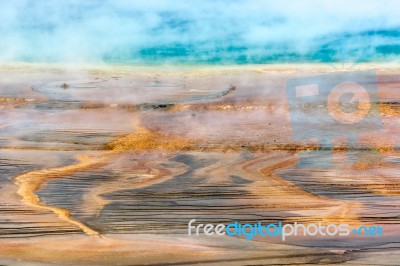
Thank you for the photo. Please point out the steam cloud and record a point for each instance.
(199, 31)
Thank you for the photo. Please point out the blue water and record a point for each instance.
(210, 32)
(327, 49)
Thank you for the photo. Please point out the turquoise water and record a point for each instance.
(211, 32)
(327, 49)
(359, 47)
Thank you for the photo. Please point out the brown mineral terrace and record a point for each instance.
(106, 165)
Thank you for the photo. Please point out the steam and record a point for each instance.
(198, 31)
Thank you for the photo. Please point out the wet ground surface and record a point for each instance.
(110, 165)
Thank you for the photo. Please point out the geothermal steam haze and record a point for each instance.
(199, 31)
